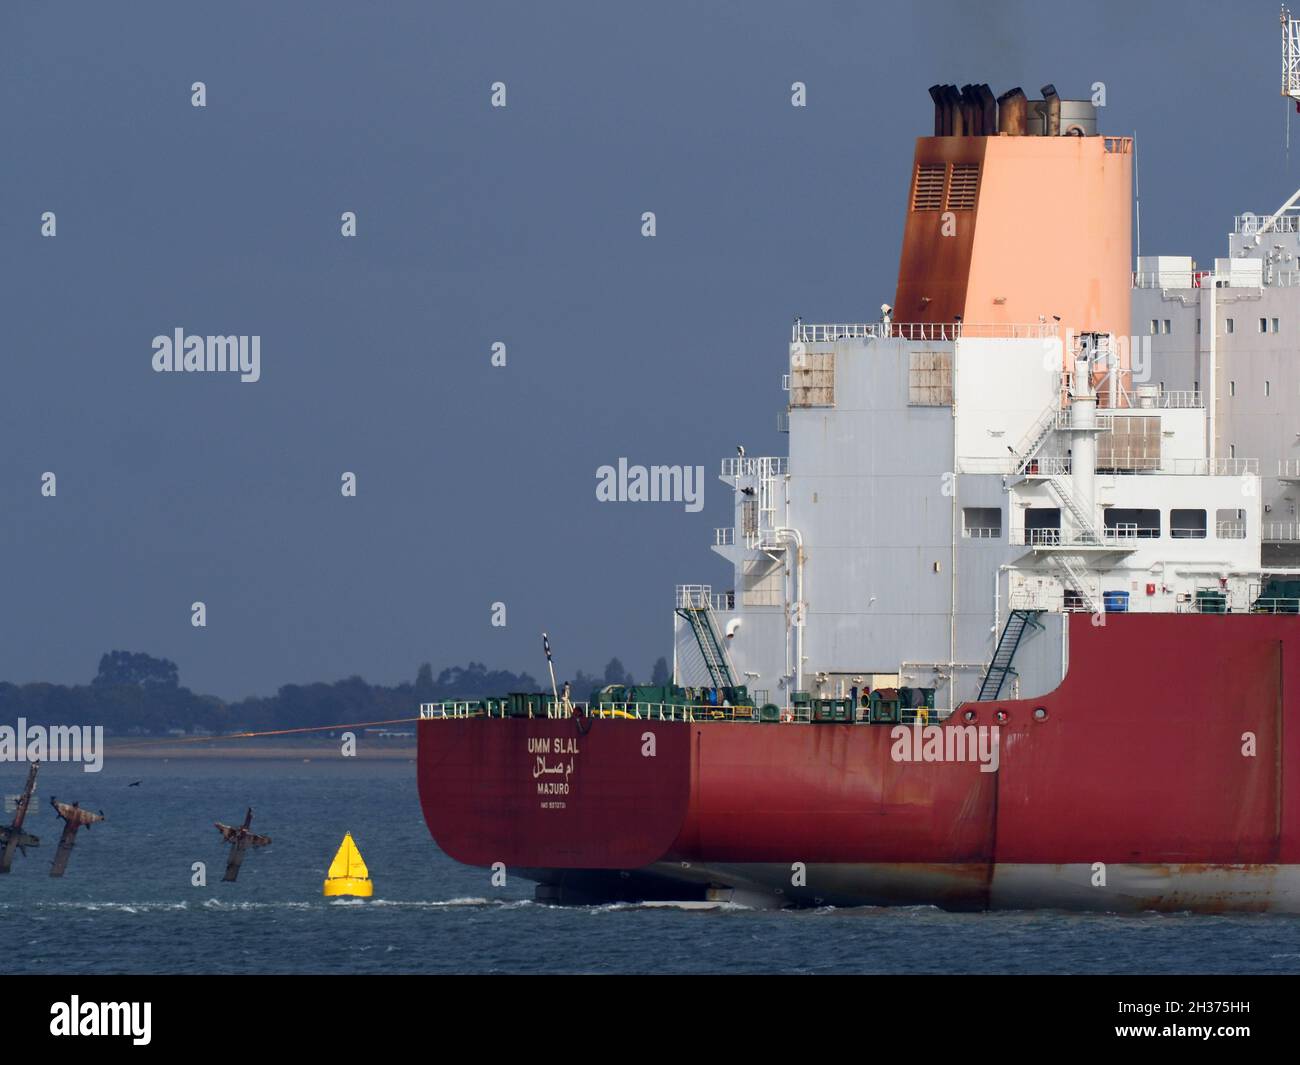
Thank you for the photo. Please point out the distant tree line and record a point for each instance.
(136, 694)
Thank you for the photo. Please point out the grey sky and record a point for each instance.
(477, 225)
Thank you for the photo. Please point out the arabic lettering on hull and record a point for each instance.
(554, 760)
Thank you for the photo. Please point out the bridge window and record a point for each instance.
(1187, 524)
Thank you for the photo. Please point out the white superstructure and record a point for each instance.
(940, 478)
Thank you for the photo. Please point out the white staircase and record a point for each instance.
(1037, 435)
(1085, 531)
(1080, 579)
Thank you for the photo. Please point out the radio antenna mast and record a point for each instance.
(1290, 55)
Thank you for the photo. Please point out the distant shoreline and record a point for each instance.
(287, 750)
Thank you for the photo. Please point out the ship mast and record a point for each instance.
(1290, 55)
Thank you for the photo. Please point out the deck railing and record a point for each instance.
(759, 466)
(825, 333)
(680, 712)
(1281, 531)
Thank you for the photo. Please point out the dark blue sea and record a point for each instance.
(127, 905)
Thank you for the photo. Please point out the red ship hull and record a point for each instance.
(1163, 773)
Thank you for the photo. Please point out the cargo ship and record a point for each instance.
(999, 634)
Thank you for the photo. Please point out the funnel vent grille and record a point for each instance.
(927, 192)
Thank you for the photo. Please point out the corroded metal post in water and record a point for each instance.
(74, 817)
(240, 838)
(13, 837)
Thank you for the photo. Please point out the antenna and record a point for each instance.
(1137, 193)
(1290, 74)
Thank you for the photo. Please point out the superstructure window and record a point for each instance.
(1131, 523)
(1043, 525)
(929, 379)
(1230, 524)
(1132, 443)
(812, 379)
(762, 582)
(1228, 325)
(1187, 524)
(981, 523)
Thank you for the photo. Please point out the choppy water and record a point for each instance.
(127, 904)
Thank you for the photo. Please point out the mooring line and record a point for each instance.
(273, 732)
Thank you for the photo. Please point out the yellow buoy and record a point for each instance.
(348, 874)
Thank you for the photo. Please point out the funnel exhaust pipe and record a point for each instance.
(936, 94)
(1013, 112)
(988, 109)
(956, 120)
(1052, 104)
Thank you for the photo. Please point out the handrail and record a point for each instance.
(697, 713)
(825, 333)
(758, 466)
(1280, 531)
(1216, 467)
